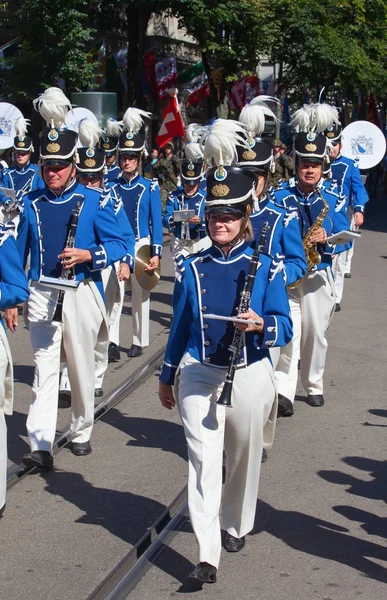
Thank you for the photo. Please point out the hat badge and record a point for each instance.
(53, 135)
(106, 145)
(220, 190)
(311, 136)
(220, 173)
(311, 147)
(251, 141)
(90, 162)
(90, 152)
(191, 166)
(129, 135)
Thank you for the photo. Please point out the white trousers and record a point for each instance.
(186, 247)
(140, 310)
(311, 305)
(82, 319)
(210, 428)
(3, 426)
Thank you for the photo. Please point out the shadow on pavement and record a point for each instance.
(125, 515)
(374, 489)
(323, 539)
(372, 524)
(16, 427)
(150, 433)
(23, 374)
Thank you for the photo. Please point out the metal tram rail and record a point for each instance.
(129, 571)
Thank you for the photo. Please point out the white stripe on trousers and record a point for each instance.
(311, 306)
(240, 431)
(82, 320)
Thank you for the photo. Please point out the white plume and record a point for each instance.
(89, 133)
(254, 114)
(301, 121)
(194, 131)
(133, 119)
(53, 106)
(323, 115)
(220, 140)
(193, 151)
(21, 125)
(113, 127)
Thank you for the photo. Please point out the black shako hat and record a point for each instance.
(191, 171)
(23, 143)
(258, 155)
(109, 143)
(91, 160)
(229, 188)
(57, 146)
(311, 146)
(132, 142)
(333, 133)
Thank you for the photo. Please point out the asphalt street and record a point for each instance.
(321, 524)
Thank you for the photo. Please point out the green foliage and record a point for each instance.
(342, 45)
(54, 42)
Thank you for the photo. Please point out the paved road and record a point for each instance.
(321, 527)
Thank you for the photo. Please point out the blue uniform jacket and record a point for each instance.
(142, 204)
(175, 201)
(284, 241)
(127, 232)
(309, 208)
(212, 283)
(43, 230)
(26, 179)
(345, 172)
(112, 174)
(13, 281)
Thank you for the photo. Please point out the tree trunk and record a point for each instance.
(213, 97)
(137, 22)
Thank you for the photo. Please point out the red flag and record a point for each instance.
(172, 125)
(372, 112)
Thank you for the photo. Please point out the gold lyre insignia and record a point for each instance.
(249, 155)
(90, 162)
(129, 143)
(311, 147)
(220, 190)
(53, 148)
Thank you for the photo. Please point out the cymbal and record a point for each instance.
(146, 279)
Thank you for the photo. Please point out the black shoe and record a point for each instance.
(337, 307)
(285, 407)
(113, 353)
(315, 400)
(81, 448)
(98, 392)
(64, 399)
(40, 459)
(204, 572)
(134, 351)
(2, 509)
(347, 275)
(264, 455)
(233, 544)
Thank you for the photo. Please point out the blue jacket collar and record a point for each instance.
(238, 249)
(130, 183)
(69, 190)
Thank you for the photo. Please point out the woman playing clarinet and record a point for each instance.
(212, 289)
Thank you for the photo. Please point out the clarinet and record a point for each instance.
(67, 273)
(239, 336)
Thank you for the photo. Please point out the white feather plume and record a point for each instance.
(113, 127)
(193, 151)
(254, 114)
(21, 125)
(323, 116)
(301, 121)
(220, 140)
(53, 106)
(89, 133)
(133, 119)
(194, 131)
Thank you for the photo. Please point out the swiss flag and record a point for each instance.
(172, 125)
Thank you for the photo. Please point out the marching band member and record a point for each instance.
(345, 172)
(284, 242)
(190, 236)
(109, 144)
(72, 234)
(312, 299)
(197, 356)
(13, 290)
(141, 201)
(24, 176)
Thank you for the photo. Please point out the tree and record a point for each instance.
(338, 45)
(54, 44)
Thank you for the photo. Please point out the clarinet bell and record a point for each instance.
(225, 396)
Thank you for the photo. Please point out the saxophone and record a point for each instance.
(312, 255)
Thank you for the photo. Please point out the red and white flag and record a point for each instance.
(166, 76)
(172, 125)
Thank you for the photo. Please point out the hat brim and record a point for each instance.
(56, 162)
(232, 210)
